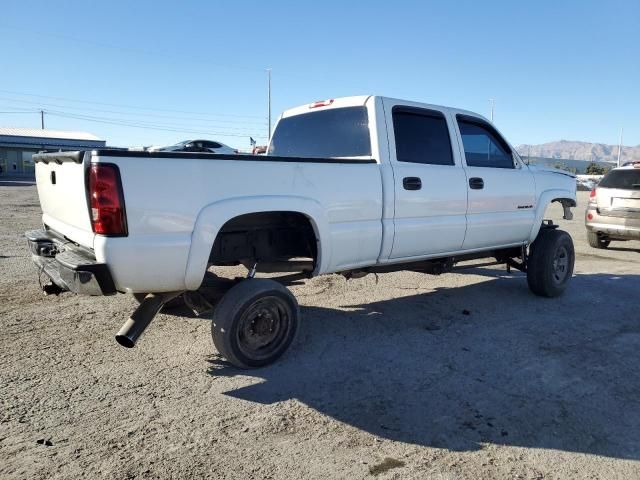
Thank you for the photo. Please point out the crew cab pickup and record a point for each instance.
(353, 185)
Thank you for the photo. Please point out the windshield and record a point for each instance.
(338, 132)
(625, 179)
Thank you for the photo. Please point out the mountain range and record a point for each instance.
(573, 150)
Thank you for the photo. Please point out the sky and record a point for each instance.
(156, 72)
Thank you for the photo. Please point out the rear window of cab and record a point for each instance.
(336, 132)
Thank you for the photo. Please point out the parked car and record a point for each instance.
(586, 184)
(355, 185)
(202, 146)
(613, 212)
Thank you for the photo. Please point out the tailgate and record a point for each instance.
(61, 181)
(613, 202)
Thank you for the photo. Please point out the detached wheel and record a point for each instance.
(173, 303)
(255, 322)
(596, 241)
(550, 263)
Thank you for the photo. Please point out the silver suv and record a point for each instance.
(613, 212)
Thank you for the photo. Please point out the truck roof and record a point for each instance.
(360, 100)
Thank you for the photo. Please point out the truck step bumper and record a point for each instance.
(68, 266)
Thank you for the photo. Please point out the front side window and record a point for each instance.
(482, 146)
(336, 132)
(421, 136)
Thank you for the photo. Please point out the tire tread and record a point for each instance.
(596, 241)
(231, 304)
(540, 263)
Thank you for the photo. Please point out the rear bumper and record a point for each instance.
(618, 226)
(70, 267)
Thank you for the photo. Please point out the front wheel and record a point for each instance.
(255, 322)
(550, 263)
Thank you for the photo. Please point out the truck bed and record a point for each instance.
(176, 201)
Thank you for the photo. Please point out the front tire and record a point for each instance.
(255, 323)
(596, 241)
(550, 263)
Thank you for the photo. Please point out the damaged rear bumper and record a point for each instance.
(69, 266)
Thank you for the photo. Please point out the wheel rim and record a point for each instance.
(560, 265)
(264, 327)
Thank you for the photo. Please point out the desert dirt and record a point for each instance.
(462, 376)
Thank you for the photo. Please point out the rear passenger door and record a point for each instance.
(429, 181)
(501, 190)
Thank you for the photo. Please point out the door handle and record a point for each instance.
(412, 183)
(476, 183)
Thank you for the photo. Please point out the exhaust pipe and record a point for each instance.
(141, 318)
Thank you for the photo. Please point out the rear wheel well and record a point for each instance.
(278, 241)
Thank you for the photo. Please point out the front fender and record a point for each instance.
(546, 198)
(212, 217)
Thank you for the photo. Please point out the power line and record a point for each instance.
(133, 106)
(136, 116)
(147, 127)
(239, 132)
(163, 53)
(145, 123)
(120, 112)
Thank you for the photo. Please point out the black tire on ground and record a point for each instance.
(173, 303)
(255, 322)
(596, 241)
(550, 263)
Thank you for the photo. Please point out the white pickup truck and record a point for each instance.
(352, 185)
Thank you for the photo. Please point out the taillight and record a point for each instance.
(106, 200)
(592, 194)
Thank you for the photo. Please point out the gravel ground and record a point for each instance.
(404, 376)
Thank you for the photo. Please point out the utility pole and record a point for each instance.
(42, 119)
(269, 103)
(620, 146)
(492, 103)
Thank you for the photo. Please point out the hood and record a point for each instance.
(546, 169)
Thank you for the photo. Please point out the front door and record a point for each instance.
(501, 190)
(430, 183)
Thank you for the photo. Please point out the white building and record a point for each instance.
(17, 146)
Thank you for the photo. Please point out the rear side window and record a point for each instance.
(421, 136)
(337, 132)
(482, 146)
(626, 179)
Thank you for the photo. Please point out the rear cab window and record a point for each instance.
(623, 179)
(421, 136)
(332, 133)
